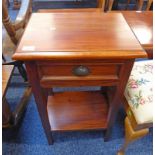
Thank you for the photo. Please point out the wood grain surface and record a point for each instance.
(141, 24)
(77, 111)
(62, 74)
(54, 44)
(88, 35)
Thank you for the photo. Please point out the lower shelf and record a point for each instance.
(70, 111)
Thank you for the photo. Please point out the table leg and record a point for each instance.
(118, 96)
(41, 96)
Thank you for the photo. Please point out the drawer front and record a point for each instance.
(75, 74)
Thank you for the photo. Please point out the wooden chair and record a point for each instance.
(13, 32)
(100, 7)
(138, 101)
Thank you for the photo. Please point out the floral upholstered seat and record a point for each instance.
(139, 91)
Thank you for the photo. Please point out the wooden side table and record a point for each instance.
(78, 49)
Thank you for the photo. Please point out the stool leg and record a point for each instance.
(149, 4)
(131, 135)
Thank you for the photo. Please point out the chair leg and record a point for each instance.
(140, 5)
(149, 4)
(110, 5)
(131, 135)
(22, 71)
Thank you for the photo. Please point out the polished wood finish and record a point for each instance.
(141, 24)
(41, 97)
(61, 74)
(63, 29)
(117, 96)
(70, 40)
(70, 111)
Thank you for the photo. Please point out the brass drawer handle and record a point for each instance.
(81, 71)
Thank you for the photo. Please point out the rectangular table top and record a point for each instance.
(89, 35)
(141, 23)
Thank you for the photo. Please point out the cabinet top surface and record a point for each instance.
(78, 35)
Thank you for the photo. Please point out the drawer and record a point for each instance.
(77, 74)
